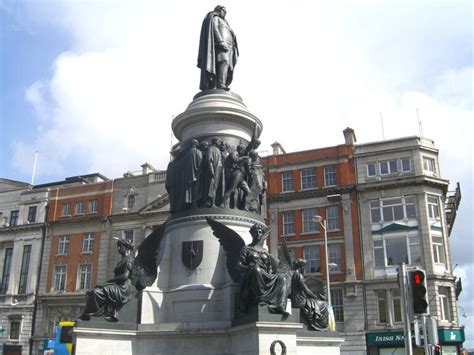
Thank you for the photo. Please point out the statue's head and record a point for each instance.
(258, 232)
(299, 264)
(220, 10)
(241, 148)
(194, 143)
(216, 141)
(124, 246)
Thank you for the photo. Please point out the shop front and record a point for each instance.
(393, 343)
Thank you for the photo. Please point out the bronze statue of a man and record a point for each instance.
(218, 51)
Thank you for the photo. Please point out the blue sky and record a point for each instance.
(93, 85)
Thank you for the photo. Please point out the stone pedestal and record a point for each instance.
(192, 310)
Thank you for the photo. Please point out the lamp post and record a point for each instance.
(322, 223)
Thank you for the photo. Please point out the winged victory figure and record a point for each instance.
(139, 271)
(263, 281)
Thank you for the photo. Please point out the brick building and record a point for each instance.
(321, 182)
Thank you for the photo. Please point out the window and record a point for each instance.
(15, 329)
(388, 167)
(334, 251)
(289, 223)
(393, 250)
(92, 206)
(287, 181)
(337, 304)
(88, 243)
(433, 207)
(308, 179)
(332, 218)
(14, 217)
(330, 176)
(25, 265)
(80, 207)
(429, 165)
(67, 209)
(32, 214)
(85, 274)
(389, 309)
(59, 278)
(438, 249)
(309, 226)
(443, 297)
(131, 201)
(7, 264)
(396, 306)
(129, 235)
(313, 260)
(393, 209)
(371, 169)
(382, 305)
(63, 245)
(406, 165)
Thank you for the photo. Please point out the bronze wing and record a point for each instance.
(145, 263)
(286, 263)
(232, 243)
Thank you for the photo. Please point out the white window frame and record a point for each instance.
(131, 201)
(79, 207)
(19, 321)
(308, 182)
(84, 277)
(410, 240)
(429, 165)
(307, 215)
(439, 254)
(88, 243)
(287, 178)
(444, 304)
(63, 245)
(409, 165)
(335, 257)
(381, 296)
(406, 202)
(432, 203)
(329, 176)
(333, 222)
(92, 206)
(312, 255)
(57, 282)
(337, 303)
(394, 311)
(368, 169)
(67, 209)
(286, 222)
(391, 169)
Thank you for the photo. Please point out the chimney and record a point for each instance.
(350, 136)
(147, 168)
(278, 149)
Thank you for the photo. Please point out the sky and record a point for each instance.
(93, 86)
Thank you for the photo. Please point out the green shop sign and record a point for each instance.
(385, 338)
(451, 335)
(397, 338)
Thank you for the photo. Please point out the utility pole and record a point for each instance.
(402, 274)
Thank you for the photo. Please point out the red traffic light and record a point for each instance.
(418, 277)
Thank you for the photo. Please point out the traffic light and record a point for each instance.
(418, 291)
(436, 350)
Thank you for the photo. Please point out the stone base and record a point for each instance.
(258, 332)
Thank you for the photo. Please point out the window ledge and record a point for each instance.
(288, 235)
(309, 189)
(287, 191)
(310, 233)
(87, 253)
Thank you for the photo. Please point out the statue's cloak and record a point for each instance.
(207, 52)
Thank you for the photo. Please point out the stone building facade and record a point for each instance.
(22, 216)
(401, 198)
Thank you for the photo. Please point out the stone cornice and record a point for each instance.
(299, 195)
(404, 181)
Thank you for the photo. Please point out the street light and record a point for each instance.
(322, 223)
